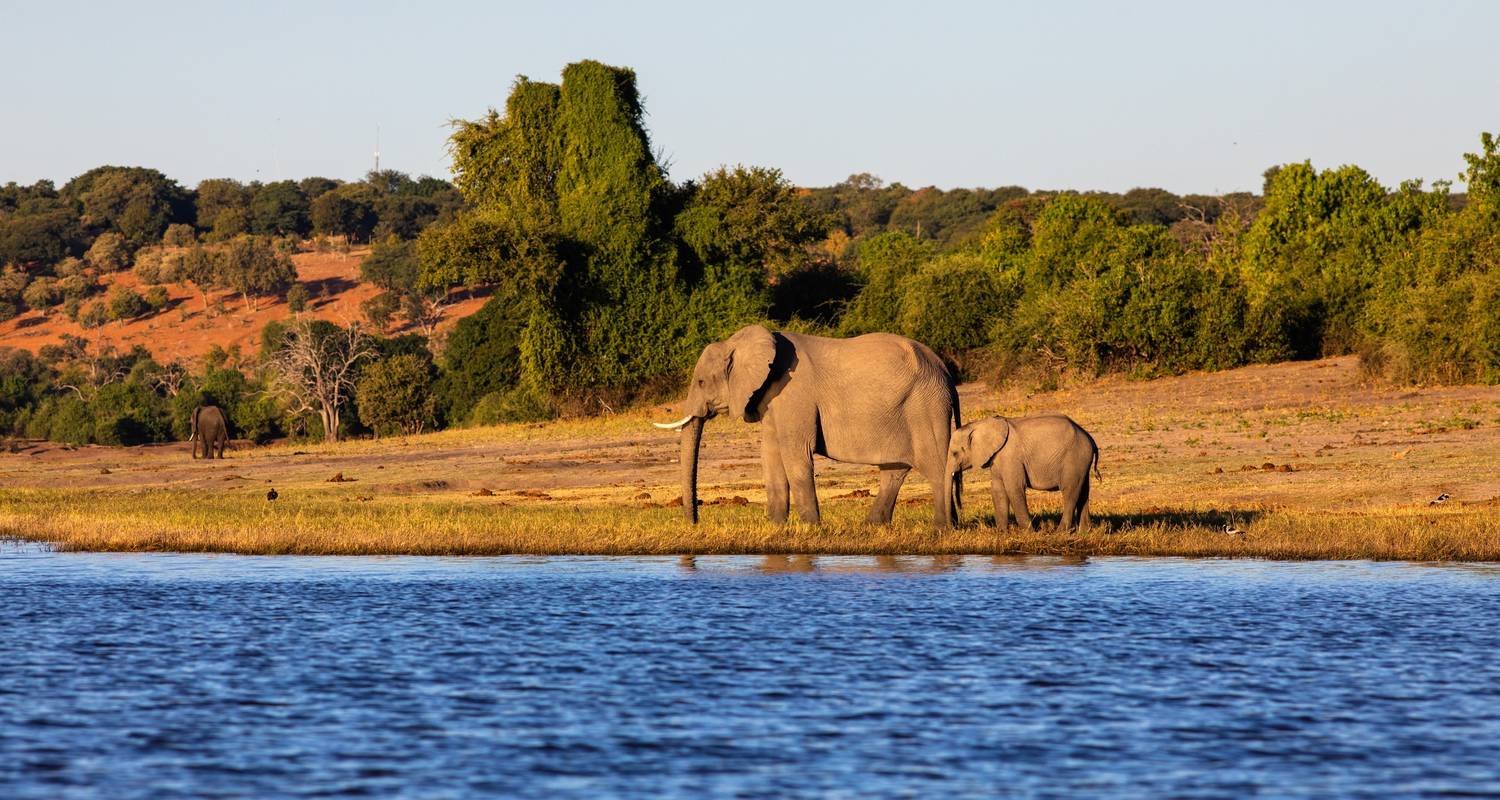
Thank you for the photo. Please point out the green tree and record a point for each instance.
(124, 304)
(136, 202)
(296, 298)
(392, 265)
(42, 294)
(254, 267)
(379, 310)
(178, 235)
(348, 211)
(39, 237)
(743, 228)
(953, 302)
(157, 298)
(884, 261)
(483, 354)
(395, 395)
(279, 209)
(217, 196)
(109, 253)
(204, 269)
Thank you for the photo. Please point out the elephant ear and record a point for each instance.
(752, 350)
(988, 439)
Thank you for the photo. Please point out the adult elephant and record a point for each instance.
(210, 429)
(877, 399)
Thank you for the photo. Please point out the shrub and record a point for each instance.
(953, 302)
(157, 298)
(69, 267)
(380, 309)
(148, 266)
(74, 287)
(93, 315)
(482, 355)
(395, 395)
(65, 419)
(517, 404)
(109, 253)
(72, 308)
(42, 294)
(128, 414)
(296, 298)
(884, 260)
(124, 304)
(178, 235)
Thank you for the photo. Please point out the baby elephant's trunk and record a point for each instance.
(955, 481)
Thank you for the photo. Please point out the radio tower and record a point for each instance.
(377, 148)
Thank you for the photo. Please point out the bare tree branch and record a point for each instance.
(314, 372)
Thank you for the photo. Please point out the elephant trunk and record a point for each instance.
(954, 484)
(692, 435)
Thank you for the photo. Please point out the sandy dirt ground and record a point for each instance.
(1308, 435)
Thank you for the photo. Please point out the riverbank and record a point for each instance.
(1305, 459)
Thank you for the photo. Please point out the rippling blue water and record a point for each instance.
(165, 676)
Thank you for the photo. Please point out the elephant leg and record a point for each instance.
(797, 461)
(1002, 505)
(777, 498)
(884, 508)
(1083, 503)
(1069, 508)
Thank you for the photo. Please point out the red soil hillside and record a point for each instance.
(183, 331)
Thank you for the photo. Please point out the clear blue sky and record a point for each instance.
(1193, 97)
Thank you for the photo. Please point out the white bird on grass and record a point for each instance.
(1440, 499)
(1232, 531)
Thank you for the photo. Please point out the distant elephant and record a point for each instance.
(1049, 453)
(210, 429)
(876, 399)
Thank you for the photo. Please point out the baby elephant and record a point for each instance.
(1049, 453)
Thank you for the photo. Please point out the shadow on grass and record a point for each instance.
(1113, 523)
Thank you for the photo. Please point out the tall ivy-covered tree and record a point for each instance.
(566, 179)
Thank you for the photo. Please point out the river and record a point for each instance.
(159, 676)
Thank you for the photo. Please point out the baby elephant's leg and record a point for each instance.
(1002, 505)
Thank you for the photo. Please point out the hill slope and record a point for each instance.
(184, 331)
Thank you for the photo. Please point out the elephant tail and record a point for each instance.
(1097, 477)
(957, 500)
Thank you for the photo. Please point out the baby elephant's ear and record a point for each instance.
(989, 436)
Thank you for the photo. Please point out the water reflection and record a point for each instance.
(789, 563)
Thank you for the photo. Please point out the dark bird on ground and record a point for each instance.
(1233, 531)
(1439, 500)
(272, 495)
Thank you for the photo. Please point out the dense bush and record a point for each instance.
(109, 253)
(296, 298)
(93, 314)
(394, 395)
(42, 294)
(953, 302)
(125, 304)
(517, 404)
(884, 262)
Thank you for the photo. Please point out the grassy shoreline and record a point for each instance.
(175, 521)
(1306, 458)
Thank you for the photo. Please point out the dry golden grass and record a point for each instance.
(183, 522)
(1353, 469)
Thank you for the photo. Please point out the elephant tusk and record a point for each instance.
(674, 426)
